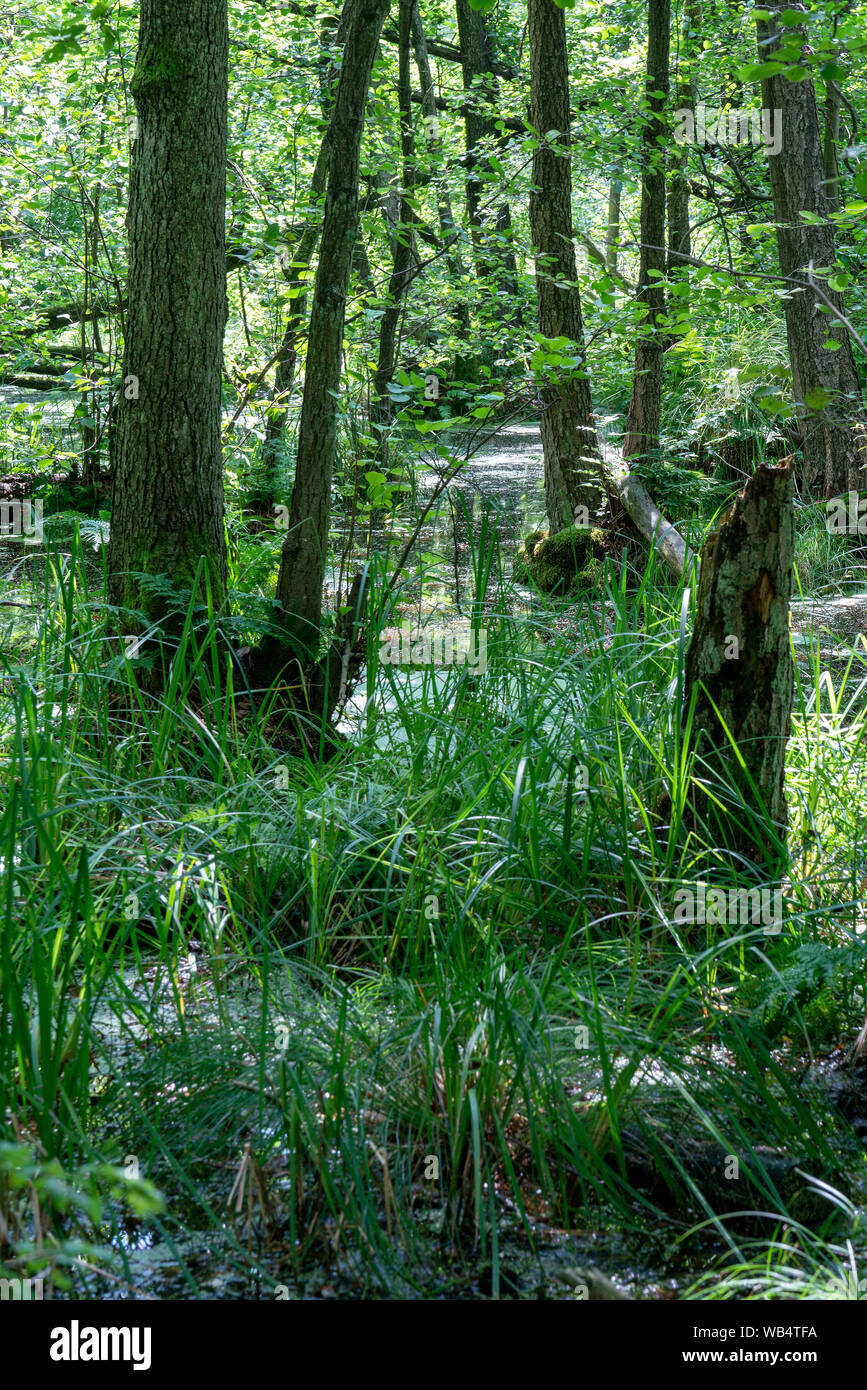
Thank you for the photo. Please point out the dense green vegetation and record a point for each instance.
(331, 970)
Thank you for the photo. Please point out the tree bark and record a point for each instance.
(167, 493)
(645, 407)
(491, 232)
(739, 664)
(640, 507)
(679, 231)
(296, 268)
(612, 227)
(303, 558)
(569, 443)
(404, 242)
(833, 107)
(454, 262)
(826, 388)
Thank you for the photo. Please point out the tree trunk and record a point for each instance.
(739, 664)
(296, 268)
(167, 493)
(302, 563)
(491, 231)
(404, 245)
(679, 231)
(645, 407)
(833, 106)
(825, 383)
(454, 263)
(569, 443)
(612, 229)
(640, 507)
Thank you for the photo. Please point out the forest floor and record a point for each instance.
(285, 992)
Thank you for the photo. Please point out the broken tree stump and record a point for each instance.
(739, 665)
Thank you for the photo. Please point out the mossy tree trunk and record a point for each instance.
(568, 430)
(739, 665)
(167, 492)
(825, 382)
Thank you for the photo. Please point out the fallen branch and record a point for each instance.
(645, 514)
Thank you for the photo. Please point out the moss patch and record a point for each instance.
(555, 563)
(156, 65)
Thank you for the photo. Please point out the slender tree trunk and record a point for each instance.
(90, 430)
(826, 387)
(679, 231)
(833, 106)
(302, 563)
(739, 664)
(491, 231)
(404, 249)
(612, 228)
(296, 268)
(568, 430)
(454, 262)
(167, 494)
(645, 408)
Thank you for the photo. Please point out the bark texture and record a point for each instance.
(448, 230)
(302, 563)
(679, 231)
(404, 257)
(832, 435)
(645, 407)
(612, 227)
(569, 443)
(167, 493)
(296, 269)
(739, 658)
(491, 231)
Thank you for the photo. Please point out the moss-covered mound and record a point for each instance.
(554, 563)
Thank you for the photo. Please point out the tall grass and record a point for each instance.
(381, 1019)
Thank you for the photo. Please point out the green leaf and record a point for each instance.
(755, 72)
